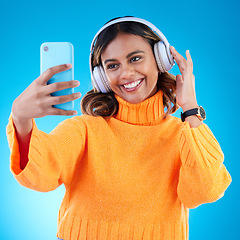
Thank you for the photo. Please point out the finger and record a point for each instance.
(54, 87)
(58, 111)
(63, 99)
(189, 60)
(44, 77)
(176, 55)
(180, 60)
(172, 48)
(189, 70)
(179, 79)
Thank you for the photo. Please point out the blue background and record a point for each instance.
(209, 29)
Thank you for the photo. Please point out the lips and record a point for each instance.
(134, 85)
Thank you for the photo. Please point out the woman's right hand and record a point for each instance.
(36, 101)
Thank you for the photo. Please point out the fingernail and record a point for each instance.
(78, 95)
(75, 113)
(76, 83)
(69, 65)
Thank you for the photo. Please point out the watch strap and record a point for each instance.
(190, 112)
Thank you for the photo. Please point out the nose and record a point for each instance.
(126, 71)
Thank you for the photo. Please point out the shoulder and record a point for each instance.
(172, 127)
(87, 122)
(80, 120)
(87, 119)
(70, 125)
(173, 122)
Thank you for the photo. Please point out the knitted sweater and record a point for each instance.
(133, 176)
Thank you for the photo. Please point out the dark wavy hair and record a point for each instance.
(105, 104)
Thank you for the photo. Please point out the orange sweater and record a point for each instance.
(133, 176)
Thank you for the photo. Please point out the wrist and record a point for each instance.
(198, 112)
(17, 116)
(189, 106)
(193, 121)
(23, 126)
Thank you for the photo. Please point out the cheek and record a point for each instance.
(155, 70)
(151, 70)
(112, 78)
(150, 65)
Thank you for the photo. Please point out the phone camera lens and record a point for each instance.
(45, 48)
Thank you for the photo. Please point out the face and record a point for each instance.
(130, 67)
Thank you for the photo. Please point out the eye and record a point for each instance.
(111, 66)
(135, 59)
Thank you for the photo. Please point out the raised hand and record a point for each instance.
(36, 101)
(185, 82)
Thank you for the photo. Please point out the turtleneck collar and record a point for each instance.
(148, 112)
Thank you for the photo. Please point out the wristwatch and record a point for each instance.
(199, 112)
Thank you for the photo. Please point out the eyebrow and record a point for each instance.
(129, 55)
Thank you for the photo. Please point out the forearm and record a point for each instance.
(203, 177)
(23, 133)
(33, 157)
(193, 121)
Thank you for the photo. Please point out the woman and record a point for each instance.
(131, 171)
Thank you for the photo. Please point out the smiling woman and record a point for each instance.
(134, 171)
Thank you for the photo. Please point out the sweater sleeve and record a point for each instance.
(203, 177)
(52, 157)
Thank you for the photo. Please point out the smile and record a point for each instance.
(133, 85)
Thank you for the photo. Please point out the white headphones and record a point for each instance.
(164, 58)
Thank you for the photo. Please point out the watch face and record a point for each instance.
(202, 113)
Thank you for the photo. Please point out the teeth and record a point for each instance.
(132, 85)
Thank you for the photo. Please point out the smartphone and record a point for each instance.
(56, 53)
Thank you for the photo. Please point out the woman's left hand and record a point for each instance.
(185, 83)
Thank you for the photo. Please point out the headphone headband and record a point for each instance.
(130, 19)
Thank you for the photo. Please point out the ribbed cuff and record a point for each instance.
(202, 142)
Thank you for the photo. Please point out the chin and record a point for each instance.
(134, 100)
(137, 96)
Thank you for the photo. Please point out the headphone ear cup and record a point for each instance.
(161, 57)
(100, 80)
